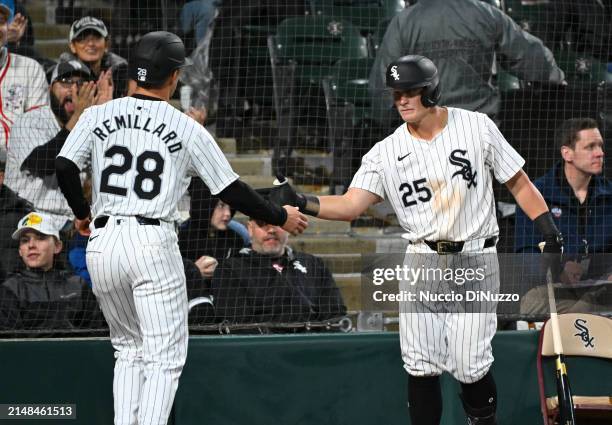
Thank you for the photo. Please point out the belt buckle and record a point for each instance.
(445, 247)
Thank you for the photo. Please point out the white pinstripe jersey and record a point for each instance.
(23, 87)
(441, 189)
(143, 154)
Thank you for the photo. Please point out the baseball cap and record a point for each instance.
(72, 67)
(88, 23)
(8, 6)
(40, 222)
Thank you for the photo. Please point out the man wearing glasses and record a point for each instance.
(38, 135)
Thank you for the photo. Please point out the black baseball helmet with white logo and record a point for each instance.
(155, 56)
(413, 72)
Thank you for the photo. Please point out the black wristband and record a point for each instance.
(308, 204)
(548, 228)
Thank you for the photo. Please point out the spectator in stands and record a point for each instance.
(464, 49)
(12, 208)
(89, 43)
(21, 38)
(38, 136)
(206, 237)
(580, 200)
(42, 296)
(23, 86)
(270, 282)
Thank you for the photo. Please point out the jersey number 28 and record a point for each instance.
(143, 174)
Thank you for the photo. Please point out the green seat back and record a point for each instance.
(364, 14)
(315, 43)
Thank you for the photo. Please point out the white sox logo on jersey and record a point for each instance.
(469, 175)
(394, 73)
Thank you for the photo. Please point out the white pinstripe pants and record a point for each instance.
(139, 280)
(452, 337)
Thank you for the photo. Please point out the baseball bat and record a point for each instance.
(564, 393)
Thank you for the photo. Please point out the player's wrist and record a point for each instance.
(308, 204)
(552, 236)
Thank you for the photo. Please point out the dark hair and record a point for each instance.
(567, 133)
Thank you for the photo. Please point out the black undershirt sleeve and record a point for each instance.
(242, 197)
(69, 181)
(41, 161)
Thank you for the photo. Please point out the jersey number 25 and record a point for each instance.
(423, 191)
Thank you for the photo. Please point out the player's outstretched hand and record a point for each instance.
(296, 221)
(82, 226)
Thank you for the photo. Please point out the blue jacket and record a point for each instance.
(586, 228)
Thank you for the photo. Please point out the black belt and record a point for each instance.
(101, 221)
(450, 247)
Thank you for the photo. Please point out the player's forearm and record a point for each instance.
(242, 197)
(527, 196)
(337, 208)
(69, 182)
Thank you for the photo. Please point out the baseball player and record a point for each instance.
(143, 152)
(23, 85)
(436, 172)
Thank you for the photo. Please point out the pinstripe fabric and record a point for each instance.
(143, 154)
(455, 212)
(144, 301)
(199, 154)
(442, 190)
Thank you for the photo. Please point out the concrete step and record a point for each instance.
(37, 12)
(254, 165)
(258, 181)
(52, 48)
(332, 245)
(44, 31)
(342, 263)
(227, 145)
(350, 288)
(316, 226)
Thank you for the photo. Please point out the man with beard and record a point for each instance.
(38, 136)
(270, 282)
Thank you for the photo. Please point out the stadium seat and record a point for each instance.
(347, 101)
(303, 52)
(364, 14)
(585, 336)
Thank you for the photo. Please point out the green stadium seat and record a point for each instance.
(348, 106)
(303, 52)
(364, 14)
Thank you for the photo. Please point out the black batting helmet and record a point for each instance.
(155, 56)
(413, 72)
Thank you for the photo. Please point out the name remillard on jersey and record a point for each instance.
(129, 121)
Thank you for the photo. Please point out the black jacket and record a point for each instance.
(197, 237)
(52, 300)
(255, 288)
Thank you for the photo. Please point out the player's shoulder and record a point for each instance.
(468, 119)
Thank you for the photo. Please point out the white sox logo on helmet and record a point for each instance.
(394, 73)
